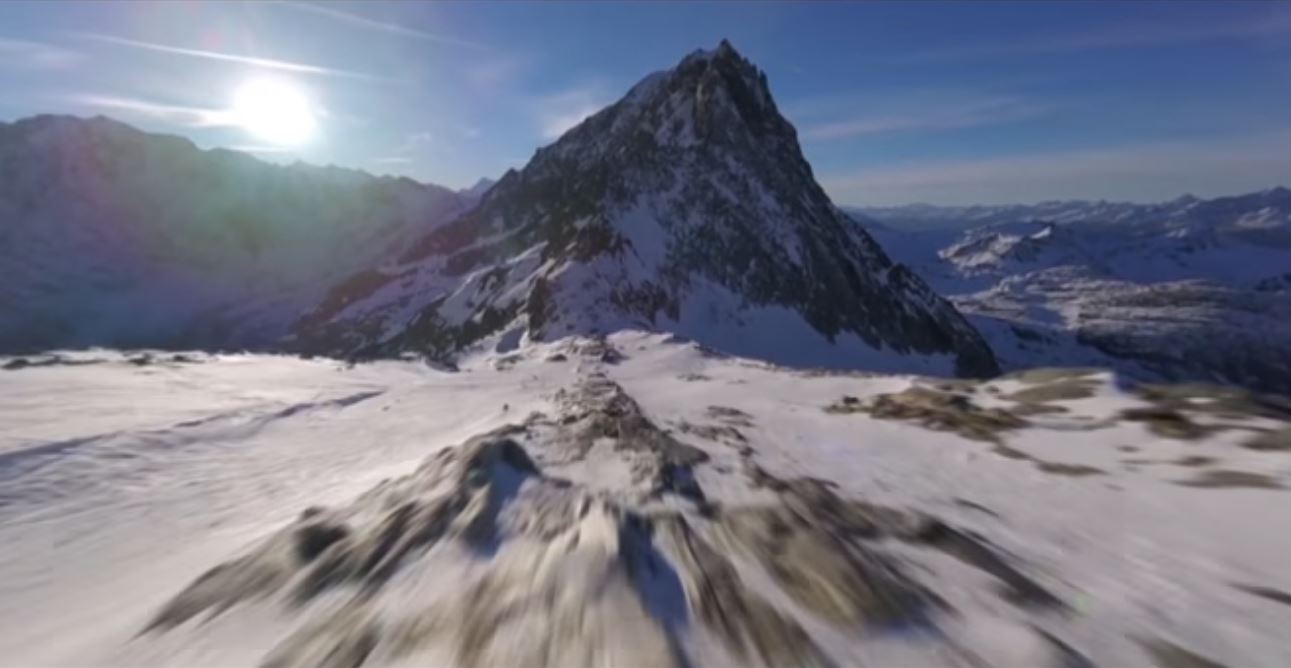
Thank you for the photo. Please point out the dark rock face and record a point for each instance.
(689, 195)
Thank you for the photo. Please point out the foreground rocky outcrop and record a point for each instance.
(631, 500)
(580, 573)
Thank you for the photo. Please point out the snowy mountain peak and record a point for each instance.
(723, 51)
(686, 207)
(714, 96)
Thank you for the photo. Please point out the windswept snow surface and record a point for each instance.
(631, 501)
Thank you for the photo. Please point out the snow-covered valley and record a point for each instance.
(636, 500)
(1186, 290)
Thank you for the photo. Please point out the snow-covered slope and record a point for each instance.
(1189, 289)
(631, 502)
(686, 207)
(111, 236)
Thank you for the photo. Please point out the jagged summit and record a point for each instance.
(687, 207)
(714, 95)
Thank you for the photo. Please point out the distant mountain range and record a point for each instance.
(114, 237)
(1266, 208)
(1185, 290)
(477, 191)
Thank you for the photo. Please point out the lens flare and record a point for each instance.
(275, 111)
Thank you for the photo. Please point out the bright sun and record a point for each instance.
(274, 111)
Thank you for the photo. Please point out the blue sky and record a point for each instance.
(962, 102)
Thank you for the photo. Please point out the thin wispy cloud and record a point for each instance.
(415, 141)
(30, 55)
(1134, 172)
(493, 75)
(1142, 35)
(193, 117)
(965, 114)
(368, 23)
(266, 63)
(413, 145)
